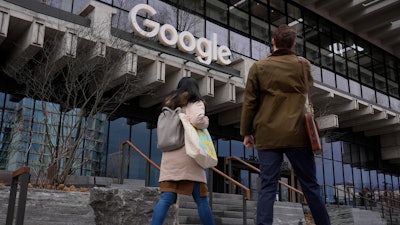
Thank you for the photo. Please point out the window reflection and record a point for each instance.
(217, 10)
(259, 50)
(221, 32)
(240, 44)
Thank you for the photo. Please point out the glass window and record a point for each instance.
(357, 179)
(382, 99)
(156, 157)
(119, 132)
(328, 175)
(223, 148)
(311, 42)
(352, 70)
(166, 14)
(221, 32)
(192, 23)
(326, 59)
(388, 182)
(338, 170)
(316, 73)
(391, 74)
(217, 10)
(294, 12)
(2, 99)
(260, 29)
(368, 93)
(237, 149)
(394, 103)
(240, 44)
(277, 18)
(259, 50)
(278, 5)
(319, 167)
(396, 184)
(328, 77)
(197, 6)
(127, 4)
(366, 76)
(364, 55)
(299, 47)
(381, 183)
(324, 26)
(340, 65)
(141, 139)
(259, 11)
(106, 1)
(327, 153)
(310, 19)
(120, 21)
(355, 88)
(337, 150)
(342, 83)
(239, 19)
(366, 179)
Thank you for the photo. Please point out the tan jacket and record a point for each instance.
(176, 165)
(273, 107)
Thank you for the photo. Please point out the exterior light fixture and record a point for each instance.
(370, 2)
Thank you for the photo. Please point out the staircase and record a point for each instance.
(228, 210)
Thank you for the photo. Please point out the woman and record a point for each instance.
(180, 174)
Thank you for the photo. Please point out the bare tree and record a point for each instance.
(74, 94)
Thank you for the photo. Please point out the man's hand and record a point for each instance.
(248, 141)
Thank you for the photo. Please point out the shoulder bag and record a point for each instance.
(170, 133)
(198, 144)
(311, 125)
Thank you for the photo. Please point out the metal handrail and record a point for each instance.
(19, 176)
(246, 197)
(383, 205)
(213, 168)
(381, 195)
(259, 171)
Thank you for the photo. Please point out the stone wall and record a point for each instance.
(125, 206)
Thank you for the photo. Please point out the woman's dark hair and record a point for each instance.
(187, 91)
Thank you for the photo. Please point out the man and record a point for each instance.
(273, 120)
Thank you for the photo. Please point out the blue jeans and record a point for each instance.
(302, 161)
(168, 198)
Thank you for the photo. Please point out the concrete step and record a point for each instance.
(228, 209)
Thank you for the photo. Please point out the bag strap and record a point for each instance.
(303, 65)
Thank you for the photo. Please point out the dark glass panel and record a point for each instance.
(217, 10)
(239, 20)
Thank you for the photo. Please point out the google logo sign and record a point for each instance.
(206, 50)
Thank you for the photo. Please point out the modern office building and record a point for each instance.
(353, 47)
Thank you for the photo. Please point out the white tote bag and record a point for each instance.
(198, 144)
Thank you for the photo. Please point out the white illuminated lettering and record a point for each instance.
(206, 50)
(189, 45)
(147, 23)
(162, 35)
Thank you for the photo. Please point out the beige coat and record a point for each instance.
(176, 165)
(273, 107)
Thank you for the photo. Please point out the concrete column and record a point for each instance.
(126, 67)
(27, 47)
(100, 15)
(4, 23)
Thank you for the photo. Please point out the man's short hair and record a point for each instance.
(284, 37)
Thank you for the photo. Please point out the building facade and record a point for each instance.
(356, 93)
